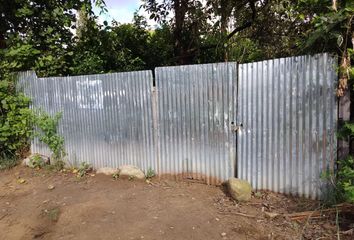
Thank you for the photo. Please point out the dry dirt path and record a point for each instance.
(98, 207)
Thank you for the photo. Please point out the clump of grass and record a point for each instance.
(150, 173)
(115, 176)
(7, 162)
(83, 169)
(57, 166)
(52, 214)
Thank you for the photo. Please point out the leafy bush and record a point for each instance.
(16, 121)
(48, 133)
(345, 179)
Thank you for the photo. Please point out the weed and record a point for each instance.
(83, 169)
(340, 185)
(52, 214)
(36, 161)
(345, 179)
(47, 132)
(115, 176)
(8, 161)
(150, 173)
(57, 166)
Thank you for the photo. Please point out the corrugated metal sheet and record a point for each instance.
(196, 108)
(107, 119)
(185, 127)
(288, 110)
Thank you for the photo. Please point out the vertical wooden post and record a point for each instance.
(343, 115)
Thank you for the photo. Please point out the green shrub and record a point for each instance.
(36, 161)
(345, 179)
(15, 119)
(83, 169)
(7, 162)
(47, 132)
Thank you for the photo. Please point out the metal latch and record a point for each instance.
(236, 127)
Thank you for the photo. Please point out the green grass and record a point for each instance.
(7, 162)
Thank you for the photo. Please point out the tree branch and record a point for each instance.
(247, 24)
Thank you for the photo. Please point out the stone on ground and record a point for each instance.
(131, 172)
(107, 171)
(240, 190)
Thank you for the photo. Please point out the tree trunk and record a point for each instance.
(180, 8)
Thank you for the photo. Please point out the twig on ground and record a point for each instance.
(239, 214)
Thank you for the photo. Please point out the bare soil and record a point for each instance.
(99, 207)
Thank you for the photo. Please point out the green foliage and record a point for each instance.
(345, 179)
(15, 120)
(150, 173)
(115, 176)
(57, 166)
(7, 162)
(48, 133)
(83, 169)
(36, 161)
(52, 214)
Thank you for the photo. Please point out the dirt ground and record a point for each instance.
(99, 207)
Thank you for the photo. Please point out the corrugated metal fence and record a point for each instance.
(285, 111)
(196, 105)
(288, 110)
(107, 119)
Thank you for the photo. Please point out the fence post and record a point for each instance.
(343, 116)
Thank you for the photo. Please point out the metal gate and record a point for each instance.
(196, 113)
(288, 110)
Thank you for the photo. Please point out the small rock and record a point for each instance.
(271, 215)
(107, 171)
(217, 219)
(131, 172)
(223, 234)
(240, 190)
(75, 171)
(21, 180)
(51, 187)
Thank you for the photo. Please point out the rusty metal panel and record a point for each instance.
(107, 118)
(288, 110)
(196, 109)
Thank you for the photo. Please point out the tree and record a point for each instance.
(39, 26)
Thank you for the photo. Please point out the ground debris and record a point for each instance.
(320, 213)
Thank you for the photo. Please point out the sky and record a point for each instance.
(122, 11)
